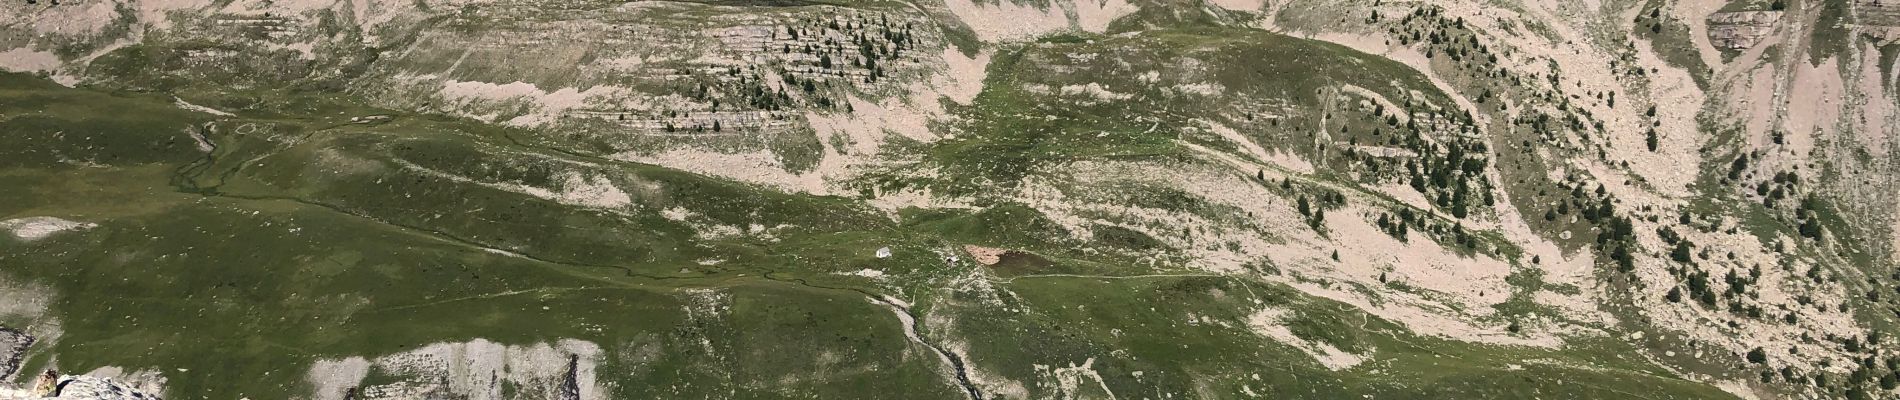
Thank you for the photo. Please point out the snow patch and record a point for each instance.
(867, 273)
(576, 189)
(187, 106)
(1093, 93)
(1270, 322)
(36, 228)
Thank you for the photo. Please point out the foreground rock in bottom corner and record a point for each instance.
(13, 345)
(52, 385)
(87, 387)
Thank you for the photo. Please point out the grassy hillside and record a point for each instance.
(304, 237)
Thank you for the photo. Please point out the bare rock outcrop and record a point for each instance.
(13, 345)
(52, 385)
(1741, 29)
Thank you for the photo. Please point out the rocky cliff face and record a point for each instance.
(13, 345)
(476, 370)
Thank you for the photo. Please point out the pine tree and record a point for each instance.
(1736, 168)
(1682, 253)
(1810, 227)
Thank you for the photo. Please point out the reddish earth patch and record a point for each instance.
(1007, 262)
(985, 255)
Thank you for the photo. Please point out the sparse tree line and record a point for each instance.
(1560, 123)
(836, 54)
